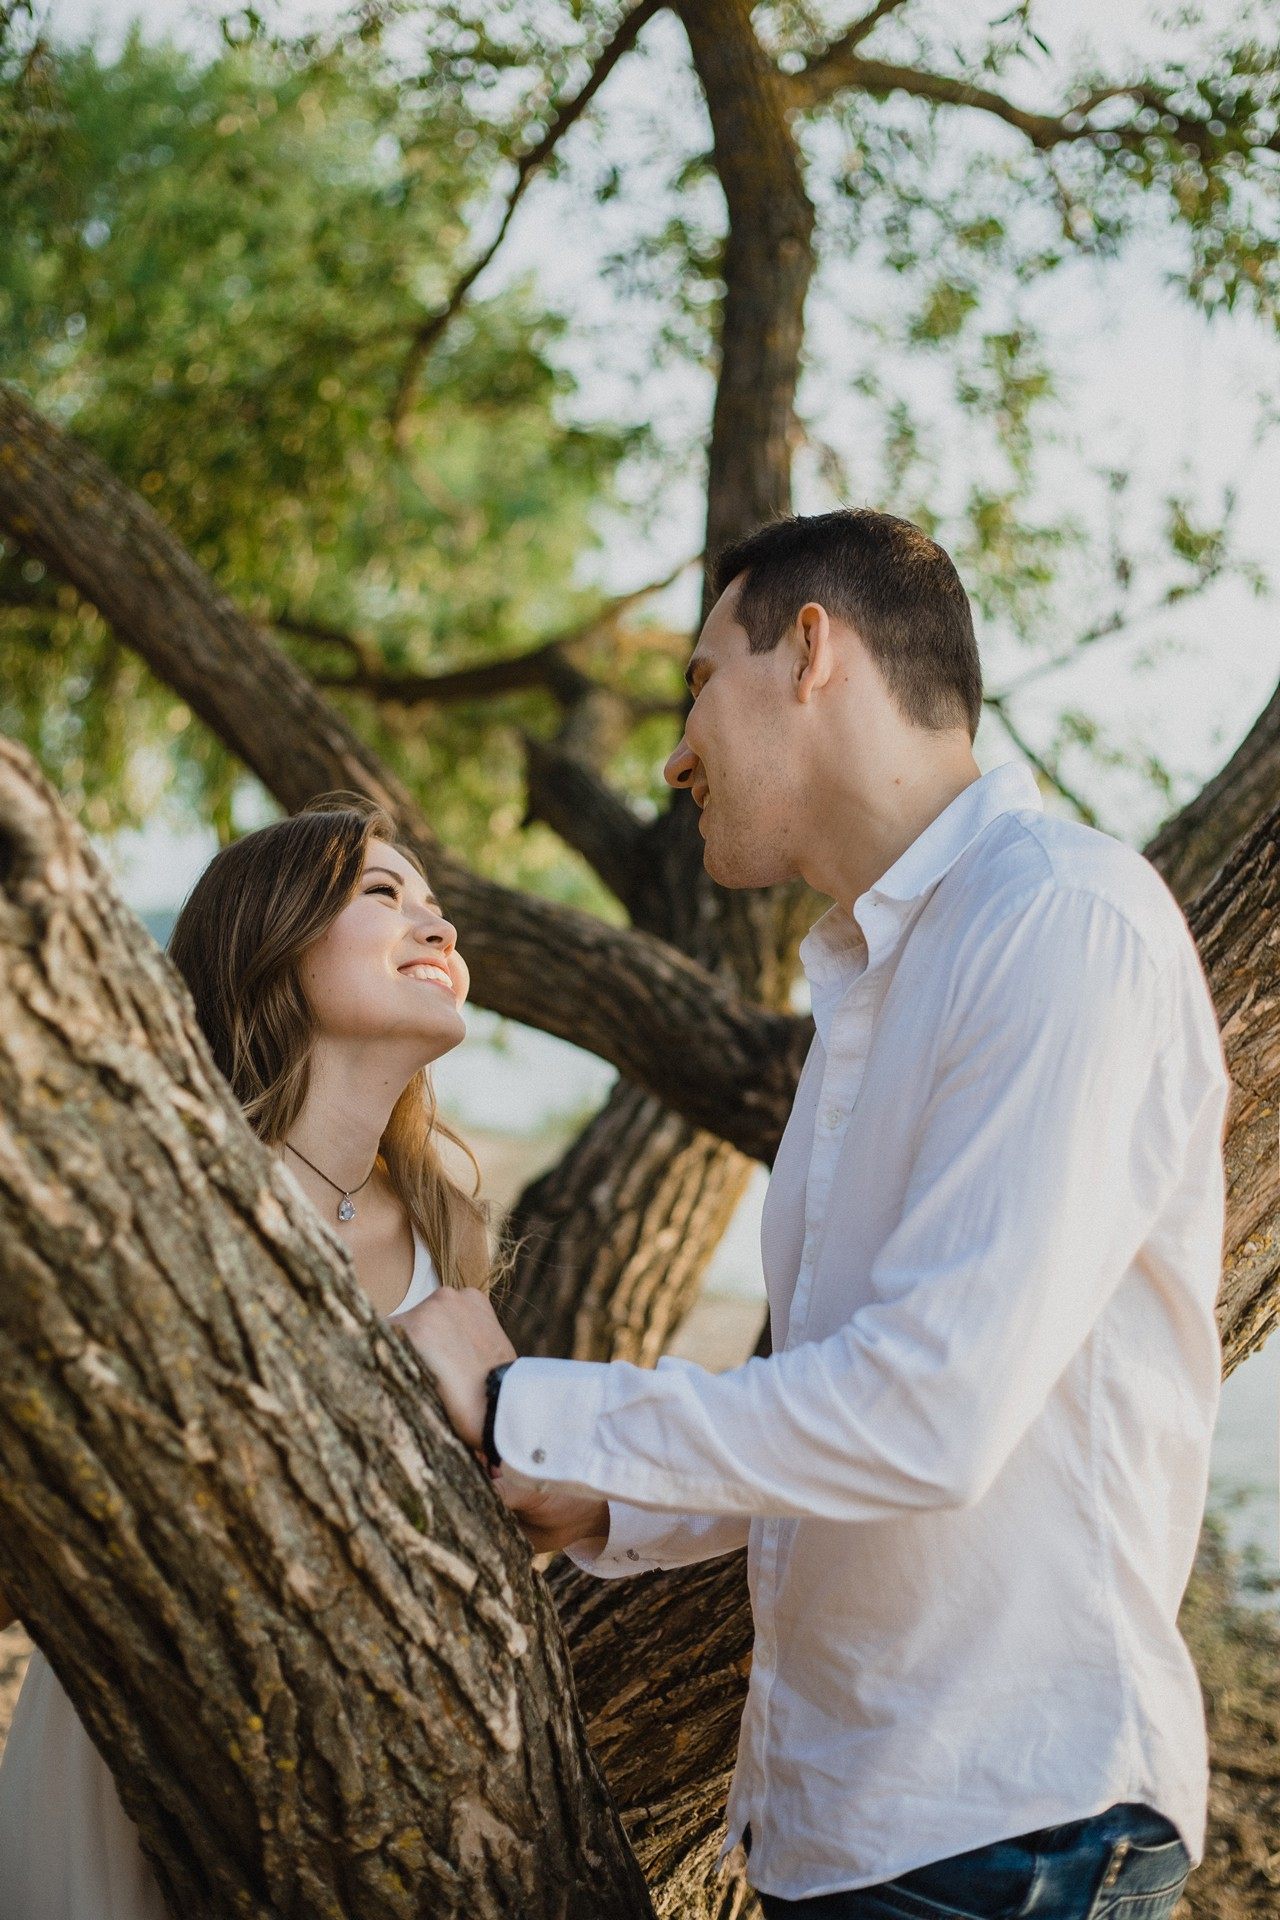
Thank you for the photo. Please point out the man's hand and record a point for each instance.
(458, 1335)
(550, 1518)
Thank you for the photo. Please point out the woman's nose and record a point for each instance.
(682, 765)
(437, 932)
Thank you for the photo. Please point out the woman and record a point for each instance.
(326, 979)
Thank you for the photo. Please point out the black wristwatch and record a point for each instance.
(492, 1388)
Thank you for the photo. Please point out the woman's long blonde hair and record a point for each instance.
(239, 942)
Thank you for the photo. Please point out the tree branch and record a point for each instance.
(327, 636)
(584, 810)
(841, 68)
(665, 1022)
(546, 666)
(849, 41)
(1189, 848)
(432, 328)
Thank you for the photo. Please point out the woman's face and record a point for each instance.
(388, 968)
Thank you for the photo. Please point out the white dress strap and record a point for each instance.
(424, 1280)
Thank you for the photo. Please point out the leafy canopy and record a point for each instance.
(211, 271)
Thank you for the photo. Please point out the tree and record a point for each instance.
(689, 1000)
(356, 1699)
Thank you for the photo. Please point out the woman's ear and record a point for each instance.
(814, 651)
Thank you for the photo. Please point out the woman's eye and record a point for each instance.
(383, 887)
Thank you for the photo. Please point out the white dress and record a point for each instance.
(68, 1850)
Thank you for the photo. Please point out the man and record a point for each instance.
(971, 1475)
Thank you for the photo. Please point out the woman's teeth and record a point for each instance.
(425, 970)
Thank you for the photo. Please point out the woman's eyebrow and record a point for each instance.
(399, 880)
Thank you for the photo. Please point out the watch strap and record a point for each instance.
(492, 1388)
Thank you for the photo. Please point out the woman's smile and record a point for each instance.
(433, 972)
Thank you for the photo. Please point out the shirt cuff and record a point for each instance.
(635, 1534)
(547, 1416)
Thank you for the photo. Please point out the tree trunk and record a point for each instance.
(768, 262)
(661, 1665)
(280, 1593)
(1237, 931)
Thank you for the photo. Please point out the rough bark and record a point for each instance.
(1191, 847)
(664, 1021)
(281, 1594)
(1237, 929)
(661, 1665)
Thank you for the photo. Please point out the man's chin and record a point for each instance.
(729, 869)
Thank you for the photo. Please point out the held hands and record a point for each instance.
(459, 1336)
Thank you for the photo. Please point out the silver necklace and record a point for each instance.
(346, 1206)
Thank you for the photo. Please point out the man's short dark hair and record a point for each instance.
(885, 578)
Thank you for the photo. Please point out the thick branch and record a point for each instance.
(570, 798)
(545, 666)
(839, 50)
(431, 329)
(666, 1023)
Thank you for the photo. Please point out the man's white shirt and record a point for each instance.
(972, 1475)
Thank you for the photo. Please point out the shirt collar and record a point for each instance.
(840, 940)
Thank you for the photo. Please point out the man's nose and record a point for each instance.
(681, 767)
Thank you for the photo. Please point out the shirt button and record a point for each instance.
(832, 1117)
(539, 1456)
(632, 1554)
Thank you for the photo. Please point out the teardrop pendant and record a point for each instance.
(346, 1208)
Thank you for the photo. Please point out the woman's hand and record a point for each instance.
(459, 1336)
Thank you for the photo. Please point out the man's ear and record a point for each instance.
(814, 653)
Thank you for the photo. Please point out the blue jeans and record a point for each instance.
(1125, 1864)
